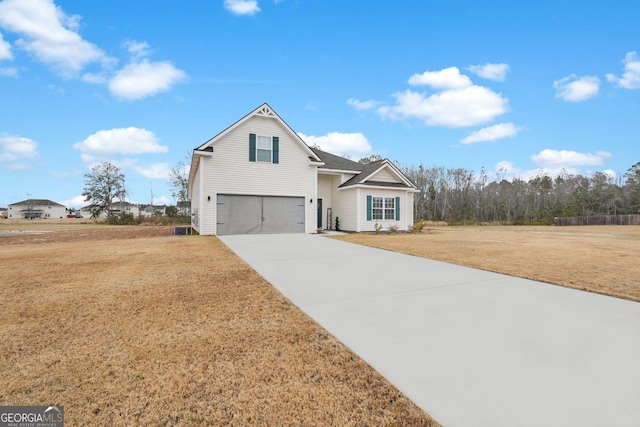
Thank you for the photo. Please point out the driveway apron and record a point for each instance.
(470, 347)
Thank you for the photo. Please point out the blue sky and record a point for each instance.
(516, 88)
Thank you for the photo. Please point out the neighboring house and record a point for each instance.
(36, 209)
(184, 208)
(117, 208)
(153, 210)
(87, 212)
(3, 212)
(259, 176)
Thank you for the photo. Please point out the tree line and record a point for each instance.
(459, 195)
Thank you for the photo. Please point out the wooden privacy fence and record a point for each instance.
(599, 220)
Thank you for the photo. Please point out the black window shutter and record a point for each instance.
(252, 147)
(276, 149)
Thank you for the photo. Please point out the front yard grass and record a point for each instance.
(132, 326)
(601, 259)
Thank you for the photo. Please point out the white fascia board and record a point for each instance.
(338, 171)
(379, 187)
(203, 153)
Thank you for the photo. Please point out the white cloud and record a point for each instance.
(574, 89)
(470, 106)
(119, 141)
(76, 202)
(14, 149)
(142, 79)
(162, 200)
(558, 159)
(95, 78)
(448, 78)
(456, 103)
(9, 72)
(242, 7)
(492, 133)
(362, 105)
(137, 49)
(346, 144)
(495, 72)
(5, 49)
(153, 170)
(505, 169)
(50, 35)
(631, 77)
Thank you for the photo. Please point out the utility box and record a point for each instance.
(181, 231)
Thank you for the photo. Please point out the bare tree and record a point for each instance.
(179, 181)
(102, 186)
(370, 159)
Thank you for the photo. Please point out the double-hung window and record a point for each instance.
(264, 148)
(389, 208)
(376, 208)
(383, 208)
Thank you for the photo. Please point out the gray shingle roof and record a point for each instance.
(331, 161)
(361, 171)
(34, 202)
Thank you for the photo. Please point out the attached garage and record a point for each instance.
(239, 214)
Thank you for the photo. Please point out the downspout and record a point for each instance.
(315, 196)
(358, 228)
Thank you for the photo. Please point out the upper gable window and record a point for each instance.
(264, 148)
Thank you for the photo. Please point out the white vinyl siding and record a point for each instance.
(406, 209)
(384, 175)
(196, 207)
(325, 193)
(344, 203)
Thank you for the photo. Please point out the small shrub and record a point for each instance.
(377, 227)
(418, 226)
(393, 229)
(123, 219)
(337, 223)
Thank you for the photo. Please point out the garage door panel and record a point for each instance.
(283, 215)
(259, 214)
(239, 214)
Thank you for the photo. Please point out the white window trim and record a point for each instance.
(378, 209)
(262, 149)
(392, 210)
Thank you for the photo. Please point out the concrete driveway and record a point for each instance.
(472, 348)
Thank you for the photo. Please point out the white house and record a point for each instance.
(259, 176)
(36, 209)
(117, 208)
(153, 210)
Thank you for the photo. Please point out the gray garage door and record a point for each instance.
(259, 214)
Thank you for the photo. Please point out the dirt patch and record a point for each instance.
(601, 259)
(134, 326)
(30, 232)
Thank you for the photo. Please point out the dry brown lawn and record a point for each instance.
(132, 326)
(601, 259)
